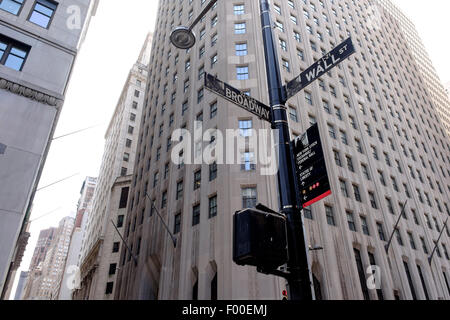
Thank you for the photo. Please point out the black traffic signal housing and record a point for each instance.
(259, 239)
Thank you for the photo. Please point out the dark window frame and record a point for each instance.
(42, 3)
(20, 9)
(13, 44)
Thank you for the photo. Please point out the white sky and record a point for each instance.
(113, 43)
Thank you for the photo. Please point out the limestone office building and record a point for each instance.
(39, 42)
(100, 246)
(380, 114)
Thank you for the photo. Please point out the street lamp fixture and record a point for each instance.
(183, 37)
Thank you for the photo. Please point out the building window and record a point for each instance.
(411, 285)
(239, 9)
(357, 193)
(422, 280)
(364, 225)
(361, 273)
(214, 288)
(286, 66)
(179, 190)
(214, 39)
(307, 212)
(164, 200)
(112, 269)
(381, 231)
(196, 215)
(109, 288)
(293, 114)
(245, 128)
(120, 221)
(124, 198)
(248, 161)
(330, 215)
(177, 226)
(242, 73)
(373, 201)
(337, 158)
(351, 221)
(12, 6)
(343, 186)
(197, 179)
(43, 12)
(399, 237)
(13, 53)
(116, 247)
(213, 110)
(239, 28)
(212, 171)
(128, 143)
(249, 197)
(241, 49)
(214, 60)
(200, 94)
(212, 207)
(411, 241)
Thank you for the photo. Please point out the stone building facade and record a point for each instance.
(100, 245)
(383, 136)
(33, 36)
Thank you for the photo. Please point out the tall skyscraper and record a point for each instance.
(68, 281)
(383, 136)
(21, 285)
(45, 279)
(42, 246)
(33, 36)
(101, 243)
(435, 88)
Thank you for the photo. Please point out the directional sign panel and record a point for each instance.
(311, 168)
(238, 97)
(320, 67)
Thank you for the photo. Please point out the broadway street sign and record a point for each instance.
(311, 168)
(237, 97)
(320, 67)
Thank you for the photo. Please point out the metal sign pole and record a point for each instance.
(298, 265)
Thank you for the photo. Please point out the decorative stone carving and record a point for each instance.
(29, 93)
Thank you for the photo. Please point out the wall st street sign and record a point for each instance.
(320, 67)
(312, 173)
(238, 97)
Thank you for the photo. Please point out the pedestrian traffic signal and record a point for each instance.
(260, 239)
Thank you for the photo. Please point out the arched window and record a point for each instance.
(214, 288)
(195, 291)
(317, 288)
